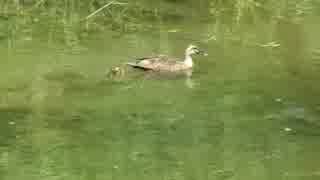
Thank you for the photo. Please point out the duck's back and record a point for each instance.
(159, 63)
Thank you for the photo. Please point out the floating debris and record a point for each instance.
(28, 38)
(272, 44)
(174, 30)
(316, 51)
(287, 129)
(272, 117)
(212, 37)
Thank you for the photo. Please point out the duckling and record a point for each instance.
(115, 72)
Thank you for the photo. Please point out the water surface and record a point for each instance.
(250, 110)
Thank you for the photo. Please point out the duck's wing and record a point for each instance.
(148, 63)
(152, 57)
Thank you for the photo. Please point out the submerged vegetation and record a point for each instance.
(78, 18)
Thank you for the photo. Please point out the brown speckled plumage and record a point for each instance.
(165, 63)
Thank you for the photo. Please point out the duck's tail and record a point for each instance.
(132, 64)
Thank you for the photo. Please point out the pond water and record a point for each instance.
(249, 111)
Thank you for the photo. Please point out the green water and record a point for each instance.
(250, 110)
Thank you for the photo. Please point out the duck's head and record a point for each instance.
(115, 70)
(192, 49)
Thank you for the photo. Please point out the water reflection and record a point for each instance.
(185, 75)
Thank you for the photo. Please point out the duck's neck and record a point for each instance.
(188, 60)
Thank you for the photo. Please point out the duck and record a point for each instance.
(165, 63)
(115, 73)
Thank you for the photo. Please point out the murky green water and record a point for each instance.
(250, 110)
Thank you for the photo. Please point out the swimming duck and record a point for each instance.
(164, 63)
(115, 73)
